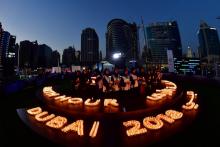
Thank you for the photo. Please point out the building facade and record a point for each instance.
(4, 46)
(28, 54)
(121, 40)
(44, 56)
(8, 49)
(209, 46)
(1, 32)
(55, 59)
(68, 57)
(163, 36)
(187, 66)
(78, 57)
(89, 47)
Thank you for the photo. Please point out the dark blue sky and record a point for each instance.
(58, 23)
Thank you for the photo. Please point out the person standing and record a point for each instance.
(106, 80)
(134, 78)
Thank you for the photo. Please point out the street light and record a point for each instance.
(116, 55)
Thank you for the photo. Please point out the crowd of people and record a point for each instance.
(117, 79)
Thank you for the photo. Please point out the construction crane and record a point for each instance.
(146, 50)
(143, 28)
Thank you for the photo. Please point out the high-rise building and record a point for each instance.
(69, 57)
(209, 47)
(44, 55)
(55, 59)
(10, 60)
(189, 53)
(28, 54)
(134, 55)
(77, 55)
(4, 45)
(163, 36)
(7, 51)
(1, 32)
(121, 42)
(89, 47)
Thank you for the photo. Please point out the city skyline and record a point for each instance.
(59, 24)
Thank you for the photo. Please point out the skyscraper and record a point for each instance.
(209, 47)
(4, 45)
(55, 59)
(44, 56)
(69, 57)
(134, 42)
(121, 42)
(1, 32)
(28, 54)
(7, 51)
(89, 47)
(77, 55)
(163, 36)
(11, 51)
(189, 53)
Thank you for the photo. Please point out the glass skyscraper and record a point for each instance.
(163, 36)
(89, 47)
(4, 45)
(1, 33)
(122, 39)
(209, 47)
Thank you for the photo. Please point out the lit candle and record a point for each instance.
(174, 114)
(89, 103)
(165, 118)
(75, 101)
(110, 102)
(152, 123)
(94, 129)
(43, 116)
(75, 127)
(34, 111)
(135, 130)
(57, 122)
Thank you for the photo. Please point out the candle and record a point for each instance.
(57, 122)
(94, 130)
(43, 116)
(152, 123)
(34, 111)
(75, 127)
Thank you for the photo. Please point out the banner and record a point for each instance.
(170, 60)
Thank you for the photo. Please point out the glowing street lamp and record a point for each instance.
(116, 55)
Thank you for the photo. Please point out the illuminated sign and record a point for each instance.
(133, 126)
(93, 129)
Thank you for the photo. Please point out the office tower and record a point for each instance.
(1, 32)
(68, 57)
(44, 56)
(10, 60)
(209, 47)
(4, 44)
(189, 53)
(77, 55)
(89, 47)
(163, 36)
(121, 42)
(55, 58)
(7, 51)
(28, 54)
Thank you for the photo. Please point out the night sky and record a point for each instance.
(59, 23)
